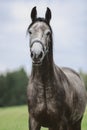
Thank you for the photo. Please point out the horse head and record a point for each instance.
(40, 35)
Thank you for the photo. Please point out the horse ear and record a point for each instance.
(33, 14)
(48, 15)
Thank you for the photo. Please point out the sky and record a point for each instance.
(69, 25)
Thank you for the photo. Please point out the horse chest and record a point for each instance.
(43, 100)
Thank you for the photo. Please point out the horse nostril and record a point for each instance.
(40, 55)
(31, 54)
(35, 56)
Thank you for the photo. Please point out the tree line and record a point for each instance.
(13, 87)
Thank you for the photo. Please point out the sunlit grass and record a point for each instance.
(84, 121)
(14, 118)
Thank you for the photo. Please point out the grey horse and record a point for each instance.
(56, 96)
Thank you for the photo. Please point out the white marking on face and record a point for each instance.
(37, 48)
(39, 31)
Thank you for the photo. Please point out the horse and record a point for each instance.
(56, 96)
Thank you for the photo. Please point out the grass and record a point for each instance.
(84, 121)
(16, 118)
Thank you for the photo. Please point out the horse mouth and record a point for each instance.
(37, 63)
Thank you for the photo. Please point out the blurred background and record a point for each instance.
(69, 24)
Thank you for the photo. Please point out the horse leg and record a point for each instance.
(50, 129)
(57, 129)
(33, 124)
(53, 128)
(63, 126)
(76, 126)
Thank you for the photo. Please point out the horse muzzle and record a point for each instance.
(37, 52)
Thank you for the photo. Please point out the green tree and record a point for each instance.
(13, 88)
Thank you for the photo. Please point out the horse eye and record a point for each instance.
(48, 33)
(30, 32)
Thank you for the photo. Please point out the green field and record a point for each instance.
(16, 118)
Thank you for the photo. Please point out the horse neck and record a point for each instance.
(45, 71)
